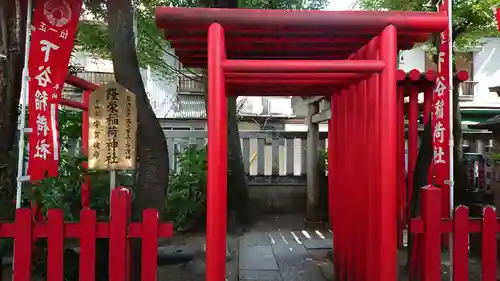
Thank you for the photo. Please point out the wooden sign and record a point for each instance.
(112, 128)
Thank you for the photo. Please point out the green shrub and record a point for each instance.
(186, 199)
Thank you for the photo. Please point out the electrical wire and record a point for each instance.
(153, 40)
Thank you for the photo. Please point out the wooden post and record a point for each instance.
(312, 164)
(431, 206)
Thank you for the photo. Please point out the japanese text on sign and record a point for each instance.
(112, 129)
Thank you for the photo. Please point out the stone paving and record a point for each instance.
(275, 249)
(279, 249)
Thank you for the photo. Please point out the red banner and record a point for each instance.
(496, 12)
(441, 117)
(53, 29)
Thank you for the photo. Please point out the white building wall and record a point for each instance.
(161, 89)
(412, 59)
(486, 71)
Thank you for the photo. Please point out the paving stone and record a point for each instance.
(318, 244)
(260, 275)
(255, 238)
(257, 258)
(293, 258)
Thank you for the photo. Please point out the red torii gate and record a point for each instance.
(87, 88)
(350, 56)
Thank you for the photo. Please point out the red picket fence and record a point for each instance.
(430, 229)
(118, 229)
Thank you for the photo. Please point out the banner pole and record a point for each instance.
(112, 185)
(24, 101)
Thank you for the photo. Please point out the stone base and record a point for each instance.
(314, 224)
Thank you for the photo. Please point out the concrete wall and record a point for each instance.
(277, 199)
(486, 71)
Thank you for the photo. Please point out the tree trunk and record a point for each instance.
(12, 34)
(238, 197)
(153, 165)
(12, 26)
(237, 180)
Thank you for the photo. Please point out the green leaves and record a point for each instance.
(472, 19)
(152, 46)
(185, 204)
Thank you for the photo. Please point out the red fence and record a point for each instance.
(430, 227)
(119, 229)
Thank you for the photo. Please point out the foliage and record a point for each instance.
(323, 159)
(151, 44)
(286, 5)
(64, 191)
(472, 19)
(186, 199)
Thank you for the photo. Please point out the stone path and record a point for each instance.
(275, 249)
(281, 250)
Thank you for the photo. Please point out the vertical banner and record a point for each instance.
(496, 12)
(441, 115)
(53, 31)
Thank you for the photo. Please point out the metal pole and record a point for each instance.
(86, 188)
(24, 96)
(112, 185)
(449, 4)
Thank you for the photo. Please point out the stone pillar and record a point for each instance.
(312, 164)
(480, 147)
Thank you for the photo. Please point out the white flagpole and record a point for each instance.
(24, 97)
(136, 36)
(451, 140)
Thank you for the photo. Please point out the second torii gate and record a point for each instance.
(349, 56)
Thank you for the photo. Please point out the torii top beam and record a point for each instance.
(289, 34)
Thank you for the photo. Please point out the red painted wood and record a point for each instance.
(298, 82)
(74, 104)
(73, 230)
(78, 82)
(387, 195)
(343, 191)
(88, 237)
(356, 118)
(149, 245)
(431, 75)
(462, 75)
(295, 76)
(303, 66)
(401, 171)
(22, 245)
(461, 244)
(217, 147)
(413, 114)
(87, 230)
(372, 165)
(55, 245)
(118, 235)
(414, 75)
(431, 238)
(489, 247)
